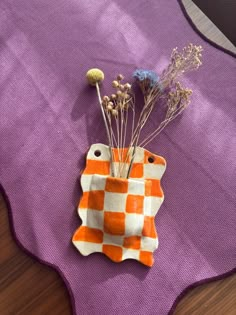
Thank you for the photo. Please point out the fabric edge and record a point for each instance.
(195, 285)
(205, 38)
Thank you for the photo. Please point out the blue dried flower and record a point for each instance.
(141, 75)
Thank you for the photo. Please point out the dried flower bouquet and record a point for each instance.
(118, 109)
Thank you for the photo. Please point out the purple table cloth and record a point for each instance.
(49, 117)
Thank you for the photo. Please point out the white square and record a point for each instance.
(87, 248)
(139, 155)
(151, 205)
(86, 182)
(98, 182)
(92, 218)
(115, 202)
(156, 203)
(113, 239)
(149, 244)
(130, 253)
(147, 206)
(133, 224)
(136, 187)
(154, 171)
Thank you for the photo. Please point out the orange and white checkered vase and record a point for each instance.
(118, 214)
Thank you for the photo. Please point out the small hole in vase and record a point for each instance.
(97, 153)
(151, 159)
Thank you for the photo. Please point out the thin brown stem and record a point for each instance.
(107, 128)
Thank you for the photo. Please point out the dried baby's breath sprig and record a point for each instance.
(153, 90)
(177, 100)
(155, 87)
(187, 60)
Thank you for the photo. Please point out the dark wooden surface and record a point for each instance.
(222, 13)
(30, 288)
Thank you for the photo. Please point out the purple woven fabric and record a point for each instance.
(49, 118)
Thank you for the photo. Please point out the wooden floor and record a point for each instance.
(29, 288)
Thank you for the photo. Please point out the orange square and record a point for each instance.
(84, 200)
(133, 242)
(155, 189)
(114, 223)
(148, 187)
(97, 167)
(118, 185)
(146, 258)
(96, 199)
(113, 252)
(137, 170)
(87, 234)
(154, 159)
(149, 228)
(121, 155)
(134, 204)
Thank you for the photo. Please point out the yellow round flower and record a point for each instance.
(95, 76)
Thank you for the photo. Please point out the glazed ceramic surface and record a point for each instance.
(117, 213)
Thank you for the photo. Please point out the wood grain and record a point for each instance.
(30, 288)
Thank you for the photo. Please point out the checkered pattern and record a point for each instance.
(118, 214)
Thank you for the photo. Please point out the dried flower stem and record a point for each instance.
(177, 101)
(132, 107)
(162, 125)
(107, 128)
